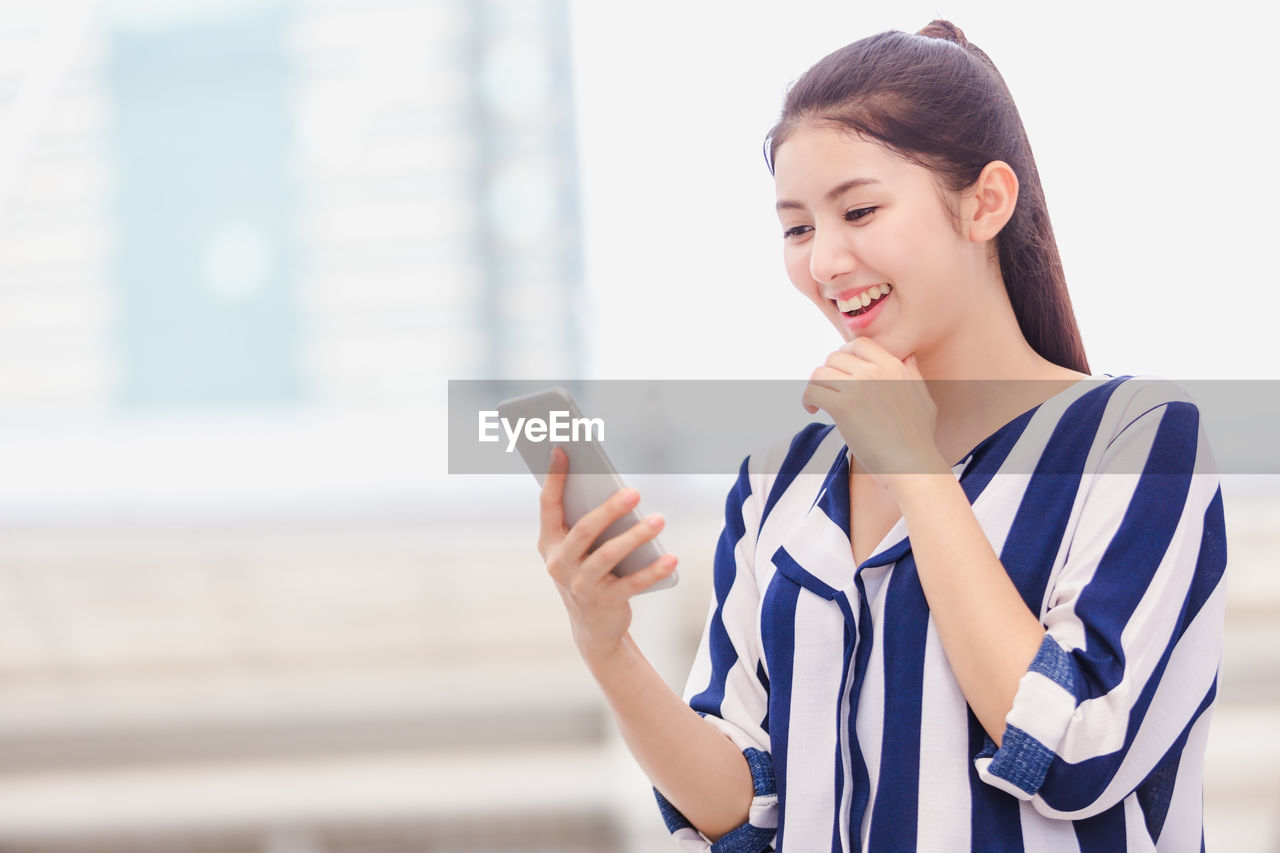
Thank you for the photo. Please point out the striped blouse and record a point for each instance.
(1105, 508)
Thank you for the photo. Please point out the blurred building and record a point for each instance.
(242, 247)
(221, 204)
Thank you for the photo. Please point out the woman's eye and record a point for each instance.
(857, 213)
(796, 231)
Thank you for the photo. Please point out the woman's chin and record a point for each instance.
(846, 334)
(894, 348)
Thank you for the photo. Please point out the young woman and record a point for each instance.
(970, 615)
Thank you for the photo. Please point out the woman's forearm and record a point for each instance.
(695, 766)
(989, 635)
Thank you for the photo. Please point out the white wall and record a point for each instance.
(1151, 131)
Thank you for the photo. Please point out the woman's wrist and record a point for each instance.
(915, 488)
(605, 663)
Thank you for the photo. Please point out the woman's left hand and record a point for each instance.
(890, 425)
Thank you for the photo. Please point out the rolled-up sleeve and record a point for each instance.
(1134, 623)
(727, 684)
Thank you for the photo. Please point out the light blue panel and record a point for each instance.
(204, 259)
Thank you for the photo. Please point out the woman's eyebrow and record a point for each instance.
(832, 195)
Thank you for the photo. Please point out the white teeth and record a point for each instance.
(863, 299)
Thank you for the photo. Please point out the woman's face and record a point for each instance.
(855, 217)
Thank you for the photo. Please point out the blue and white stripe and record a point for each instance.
(1104, 506)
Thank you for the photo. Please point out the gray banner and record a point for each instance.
(709, 426)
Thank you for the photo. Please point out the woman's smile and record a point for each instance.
(859, 311)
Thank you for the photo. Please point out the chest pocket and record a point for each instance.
(797, 574)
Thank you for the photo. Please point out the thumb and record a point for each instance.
(914, 367)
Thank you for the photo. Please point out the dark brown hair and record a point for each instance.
(938, 101)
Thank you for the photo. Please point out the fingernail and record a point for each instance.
(630, 496)
(655, 520)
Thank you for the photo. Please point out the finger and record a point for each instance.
(828, 378)
(807, 402)
(588, 528)
(819, 397)
(612, 552)
(638, 582)
(869, 349)
(551, 500)
(831, 375)
(844, 361)
(913, 370)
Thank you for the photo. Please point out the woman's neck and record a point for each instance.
(985, 374)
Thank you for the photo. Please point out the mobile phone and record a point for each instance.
(592, 478)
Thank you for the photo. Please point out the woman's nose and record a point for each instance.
(829, 257)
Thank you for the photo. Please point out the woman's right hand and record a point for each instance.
(597, 600)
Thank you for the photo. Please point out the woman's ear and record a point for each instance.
(991, 200)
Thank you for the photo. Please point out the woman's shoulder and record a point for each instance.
(1139, 419)
(1128, 397)
(1090, 424)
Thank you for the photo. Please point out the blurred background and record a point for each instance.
(243, 247)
